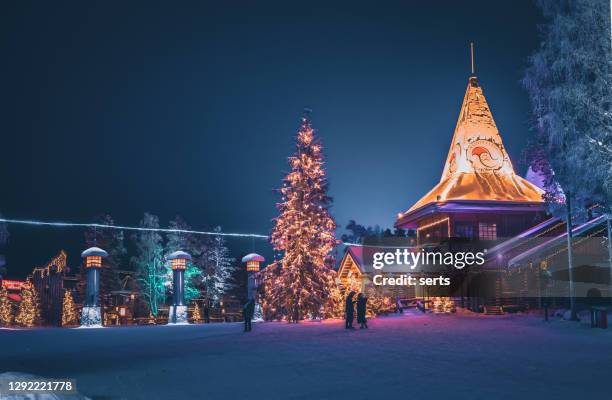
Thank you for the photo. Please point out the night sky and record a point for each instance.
(191, 109)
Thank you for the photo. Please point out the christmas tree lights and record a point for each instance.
(28, 313)
(196, 317)
(6, 308)
(69, 315)
(301, 283)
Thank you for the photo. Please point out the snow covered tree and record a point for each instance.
(6, 308)
(218, 267)
(569, 80)
(69, 314)
(111, 240)
(149, 263)
(194, 246)
(28, 313)
(300, 284)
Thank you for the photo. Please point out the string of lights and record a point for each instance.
(127, 228)
(138, 228)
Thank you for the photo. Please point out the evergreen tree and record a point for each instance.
(6, 308)
(28, 313)
(300, 284)
(69, 314)
(113, 242)
(196, 317)
(149, 263)
(195, 247)
(569, 80)
(219, 267)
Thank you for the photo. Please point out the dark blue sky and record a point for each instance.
(191, 108)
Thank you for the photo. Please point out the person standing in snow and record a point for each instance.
(248, 311)
(349, 310)
(361, 311)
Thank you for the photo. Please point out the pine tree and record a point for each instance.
(301, 283)
(28, 313)
(111, 240)
(196, 316)
(569, 80)
(195, 247)
(219, 267)
(152, 274)
(69, 315)
(6, 308)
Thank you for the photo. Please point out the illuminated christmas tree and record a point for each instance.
(69, 315)
(6, 308)
(28, 313)
(196, 316)
(300, 284)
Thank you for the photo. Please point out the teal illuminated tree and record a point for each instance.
(301, 283)
(149, 263)
(193, 245)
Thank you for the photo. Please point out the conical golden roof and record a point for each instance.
(477, 166)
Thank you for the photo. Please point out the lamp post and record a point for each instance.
(252, 266)
(178, 310)
(252, 261)
(92, 314)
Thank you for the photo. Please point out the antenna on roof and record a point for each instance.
(472, 56)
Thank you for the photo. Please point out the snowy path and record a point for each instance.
(410, 357)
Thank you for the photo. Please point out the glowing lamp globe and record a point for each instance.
(93, 257)
(178, 259)
(252, 262)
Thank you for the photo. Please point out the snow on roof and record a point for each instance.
(253, 257)
(179, 254)
(94, 252)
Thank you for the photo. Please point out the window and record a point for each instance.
(487, 231)
(464, 230)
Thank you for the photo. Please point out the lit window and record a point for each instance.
(487, 231)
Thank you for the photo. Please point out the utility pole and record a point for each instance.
(570, 257)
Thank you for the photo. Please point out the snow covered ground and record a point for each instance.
(410, 357)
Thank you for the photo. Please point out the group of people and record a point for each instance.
(249, 309)
(361, 310)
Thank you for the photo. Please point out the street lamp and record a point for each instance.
(178, 310)
(252, 266)
(91, 314)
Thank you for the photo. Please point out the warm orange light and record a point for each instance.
(253, 266)
(179, 263)
(93, 261)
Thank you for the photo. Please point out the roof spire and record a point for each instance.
(472, 56)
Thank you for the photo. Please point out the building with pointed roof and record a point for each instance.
(479, 195)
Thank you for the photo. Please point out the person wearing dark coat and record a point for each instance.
(349, 310)
(248, 311)
(361, 311)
